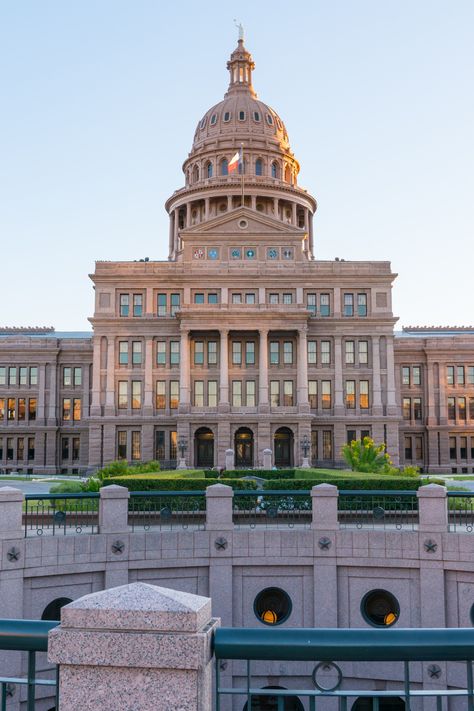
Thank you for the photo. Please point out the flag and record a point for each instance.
(234, 162)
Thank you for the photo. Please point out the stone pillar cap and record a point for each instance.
(219, 490)
(229, 451)
(431, 490)
(114, 491)
(324, 490)
(9, 493)
(267, 451)
(138, 607)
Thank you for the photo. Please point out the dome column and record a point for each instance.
(188, 215)
(294, 216)
(206, 208)
(275, 208)
(253, 202)
(229, 203)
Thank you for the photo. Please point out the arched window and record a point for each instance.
(274, 169)
(287, 174)
(224, 167)
(209, 170)
(195, 174)
(258, 167)
(52, 611)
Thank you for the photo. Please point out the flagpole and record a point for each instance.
(243, 170)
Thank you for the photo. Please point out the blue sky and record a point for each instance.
(100, 100)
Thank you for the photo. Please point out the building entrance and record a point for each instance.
(283, 445)
(243, 447)
(204, 447)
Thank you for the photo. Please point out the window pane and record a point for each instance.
(159, 445)
(274, 352)
(363, 352)
(161, 300)
(212, 352)
(288, 393)
(406, 408)
(212, 298)
(136, 352)
(273, 299)
(312, 353)
(136, 446)
(416, 372)
(174, 394)
(67, 377)
(288, 352)
(199, 393)
(348, 304)
(313, 393)
(77, 376)
(362, 304)
(76, 412)
(236, 298)
(405, 375)
(198, 352)
(123, 352)
(350, 394)
(175, 303)
(451, 408)
(237, 393)
(250, 298)
(287, 298)
(462, 408)
(12, 376)
(274, 393)
(66, 409)
(199, 298)
(460, 374)
(173, 444)
(324, 305)
(136, 394)
(174, 352)
(327, 444)
(21, 408)
(124, 304)
(212, 393)
(325, 352)
(123, 394)
(250, 353)
(23, 375)
(417, 415)
(311, 303)
(161, 352)
(32, 408)
(350, 352)
(250, 393)
(137, 304)
(450, 374)
(3, 377)
(236, 352)
(326, 400)
(160, 394)
(364, 394)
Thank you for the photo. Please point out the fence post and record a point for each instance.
(325, 500)
(113, 509)
(11, 512)
(219, 506)
(432, 508)
(136, 646)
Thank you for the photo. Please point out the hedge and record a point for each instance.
(261, 473)
(392, 483)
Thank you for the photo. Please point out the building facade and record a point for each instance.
(242, 340)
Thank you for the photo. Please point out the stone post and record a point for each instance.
(219, 505)
(184, 373)
(432, 508)
(224, 372)
(229, 459)
(11, 510)
(267, 459)
(263, 370)
(325, 500)
(135, 646)
(113, 509)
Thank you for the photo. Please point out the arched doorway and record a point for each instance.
(243, 447)
(204, 447)
(283, 441)
(270, 703)
(385, 704)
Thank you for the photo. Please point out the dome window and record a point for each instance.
(274, 170)
(258, 167)
(227, 116)
(256, 115)
(224, 167)
(203, 123)
(209, 170)
(241, 115)
(213, 119)
(270, 119)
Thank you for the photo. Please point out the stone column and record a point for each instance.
(110, 383)
(184, 372)
(391, 395)
(294, 215)
(275, 209)
(432, 508)
(336, 307)
(110, 661)
(148, 397)
(149, 301)
(113, 509)
(431, 418)
(175, 231)
(338, 387)
(188, 214)
(95, 404)
(443, 410)
(41, 394)
(325, 500)
(11, 507)
(376, 383)
(224, 371)
(229, 203)
(219, 508)
(253, 202)
(206, 208)
(263, 404)
(302, 373)
(311, 238)
(85, 389)
(53, 383)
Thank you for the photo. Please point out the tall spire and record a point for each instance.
(240, 66)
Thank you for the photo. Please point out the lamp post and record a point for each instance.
(305, 445)
(182, 447)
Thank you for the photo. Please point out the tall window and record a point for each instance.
(224, 167)
(348, 304)
(124, 304)
(174, 352)
(311, 303)
(175, 304)
(66, 409)
(159, 445)
(408, 448)
(325, 352)
(312, 352)
(198, 352)
(406, 408)
(460, 374)
(2, 408)
(12, 376)
(34, 375)
(470, 374)
(405, 375)
(136, 394)
(450, 374)
(77, 373)
(161, 303)
(471, 409)
(250, 353)
(350, 352)
(122, 394)
(236, 352)
(212, 393)
(3, 378)
(258, 167)
(416, 372)
(462, 408)
(326, 399)
(288, 399)
(21, 408)
(451, 408)
(11, 409)
(161, 352)
(199, 393)
(31, 408)
(364, 394)
(31, 448)
(65, 449)
(173, 444)
(209, 170)
(160, 394)
(452, 448)
(363, 352)
(350, 394)
(327, 444)
(324, 305)
(362, 304)
(137, 305)
(67, 377)
(274, 352)
(237, 393)
(212, 352)
(174, 394)
(418, 448)
(313, 394)
(136, 352)
(76, 409)
(275, 393)
(136, 446)
(23, 375)
(287, 352)
(274, 170)
(250, 393)
(417, 414)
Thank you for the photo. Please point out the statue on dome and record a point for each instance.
(240, 28)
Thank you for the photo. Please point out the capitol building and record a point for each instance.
(242, 340)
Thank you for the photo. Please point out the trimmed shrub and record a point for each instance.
(392, 483)
(261, 473)
(366, 456)
(67, 487)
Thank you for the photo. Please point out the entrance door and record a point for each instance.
(283, 447)
(204, 447)
(243, 446)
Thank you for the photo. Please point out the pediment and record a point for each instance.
(230, 223)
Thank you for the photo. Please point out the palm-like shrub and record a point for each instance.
(366, 456)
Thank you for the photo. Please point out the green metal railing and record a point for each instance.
(60, 514)
(378, 508)
(29, 636)
(326, 646)
(272, 508)
(167, 510)
(461, 511)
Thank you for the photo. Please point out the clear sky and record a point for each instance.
(99, 100)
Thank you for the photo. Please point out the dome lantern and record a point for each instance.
(240, 66)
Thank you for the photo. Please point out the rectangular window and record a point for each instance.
(21, 408)
(462, 447)
(122, 394)
(351, 436)
(350, 394)
(76, 409)
(313, 394)
(417, 413)
(2, 408)
(11, 409)
(77, 375)
(66, 409)
(452, 448)
(311, 304)
(1, 448)
(23, 375)
(237, 393)
(123, 352)
(363, 352)
(460, 374)
(350, 352)
(405, 375)
(124, 304)
(212, 298)
(418, 448)
(236, 298)
(161, 303)
(32, 409)
(198, 352)
(65, 449)
(274, 352)
(121, 445)
(273, 299)
(462, 408)
(450, 374)
(250, 298)
(288, 400)
(174, 352)
(199, 393)
(199, 298)
(161, 352)
(136, 446)
(287, 352)
(11, 376)
(174, 394)
(31, 449)
(3, 375)
(250, 353)
(67, 377)
(136, 394)
(408, 448)
(451, 408)
(287, 298)
(362, 304)
(325, 352)
(173, 444)
(327, 444)
(406, 408)
(324, 305)
(175, 303)
(137, 305)
(34, 375)
(348, 304)
(159, 445)
(250, 393)
(9, 448)
(364, 394)
(312, 353)
(236, 352)
(470, 375)
(76, 442)
(326, 399)
(212, 393)
(136, 352)
(212, 352)
(472, 447)
(416, 373)
(471, 408)
(160, 394)
(275, 393)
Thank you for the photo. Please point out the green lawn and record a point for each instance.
(169, 474)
